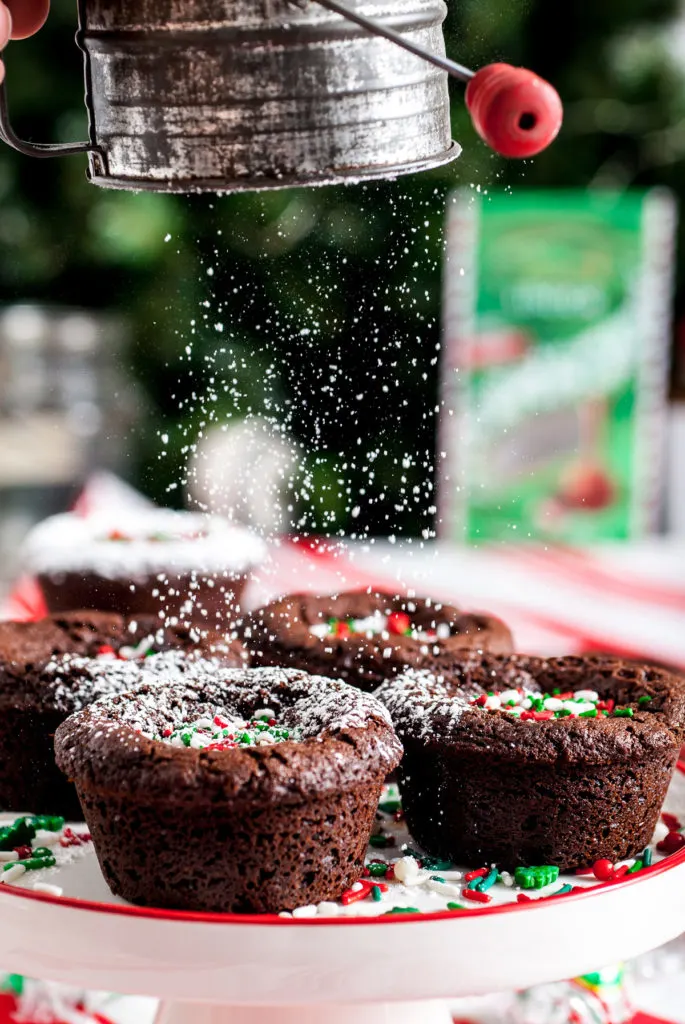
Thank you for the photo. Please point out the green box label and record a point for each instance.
(556, 332)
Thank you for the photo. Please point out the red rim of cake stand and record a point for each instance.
(271, 920)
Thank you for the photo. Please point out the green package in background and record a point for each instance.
(554, 364)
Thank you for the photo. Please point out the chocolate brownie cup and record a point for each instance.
(249, 791)
(525, 761)
(51, 668)
(365, 638)
(181, 566)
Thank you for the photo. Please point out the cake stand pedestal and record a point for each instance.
(433, 1012)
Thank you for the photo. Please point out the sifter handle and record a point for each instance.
(515, 111)
(37, 149)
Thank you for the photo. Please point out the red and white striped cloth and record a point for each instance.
(627, 599)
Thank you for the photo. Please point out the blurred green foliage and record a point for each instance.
(320, 308)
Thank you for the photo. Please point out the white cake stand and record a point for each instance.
(216, 969)
(242, 969)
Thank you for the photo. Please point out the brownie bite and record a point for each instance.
(51, 668)
(244, 791)
(367, 637)
(519, 760)
(183, 567)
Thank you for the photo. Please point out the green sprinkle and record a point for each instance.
(647, 857)
(637, 866)
(433, 863)
(403, 910)
(377, 870)
(563, 713)
(47, 822)
(536, 877)
(390, 806)
(644, 699)
(186, 739)
(588, 714)
(437, 878)
(380, 841)
(623, 713)
(489, 880)
(456, 906)
(564, 889)
(475, 883)
(376, 894)
(19, 833)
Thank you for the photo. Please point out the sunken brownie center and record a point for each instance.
(223, 730)
(382, 626)
(530, 705)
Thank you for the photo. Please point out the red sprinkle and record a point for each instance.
(398, 623)
(522, 898)
(476, 896)
(671, 843)
(671, 822)
(366, 885)
(342, 629)
(23, 851)
(603, 869)
(542, 716)
(106, 649)
(117, 535)
(481, 701)
(605, 705)
(390, 873)
(584, 871)
(354, 896)
(480, 873)
(618, 873)
(71, 838)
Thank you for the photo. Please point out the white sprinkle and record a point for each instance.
(356, 887)
(44, 838)
(507, 879)
(285, 913)
(50, 890)
(328, 909)
(586, 695)
(407, 870)
(10, 874)
(6, 856)
(553, 704)
(311, 910)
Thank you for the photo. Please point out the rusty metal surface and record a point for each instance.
(222, 95)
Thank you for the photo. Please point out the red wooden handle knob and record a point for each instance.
(517, 113)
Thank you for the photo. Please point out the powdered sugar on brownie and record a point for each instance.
(133, 545)
(76, 682)
(312, 705)
(420, 703)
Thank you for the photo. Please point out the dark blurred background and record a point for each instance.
(319, 310)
